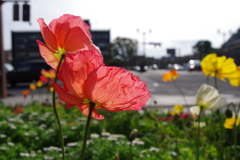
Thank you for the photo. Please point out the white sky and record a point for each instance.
(174, 23)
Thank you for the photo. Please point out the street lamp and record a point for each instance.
(144, 40)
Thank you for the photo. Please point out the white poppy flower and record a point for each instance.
(208, 98)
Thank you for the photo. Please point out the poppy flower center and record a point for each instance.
(59, 53)
(88, 102)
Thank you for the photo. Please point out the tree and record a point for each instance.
(122, 49)
(203, 48)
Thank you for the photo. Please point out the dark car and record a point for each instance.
(27, 71)
(194, 64)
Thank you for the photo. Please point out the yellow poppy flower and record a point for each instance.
(178, 108)
(48, 74)
(39, 84)
(171, 76)
(32, 86)
(172, 113)
(229, 122)
(220, 67)
(234, 78)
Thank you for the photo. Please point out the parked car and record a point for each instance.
(27, 71)
(194, 64)
(8, 67)
(175, 66)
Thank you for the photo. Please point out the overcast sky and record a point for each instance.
(173, 23)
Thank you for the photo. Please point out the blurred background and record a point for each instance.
(136, 35)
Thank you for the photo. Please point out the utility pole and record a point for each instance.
(3, 82)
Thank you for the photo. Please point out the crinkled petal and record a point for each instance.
(48, 55)
(67, 97)
(85, 110)
(47, 34)
(115, 89)
(76, 67)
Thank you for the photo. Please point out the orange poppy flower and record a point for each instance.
(68, 33)
(171, 76)
(109, 88)
(25, 93)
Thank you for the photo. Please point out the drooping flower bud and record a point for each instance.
(228, 113)
(133, 134)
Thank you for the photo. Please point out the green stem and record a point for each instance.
(56, 113)
(181, 93)
(235, 133)
(221, 151)
(198, 133)
(92, 105)
(130, 151)
(215, 82)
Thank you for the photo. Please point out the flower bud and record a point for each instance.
(228, 113)
(133, 134)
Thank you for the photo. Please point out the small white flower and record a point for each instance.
(154, 149)
(10, 143)
(106, 134)
(137, 141)
(48, 157)
(94, 135)
(208, 98)
(72, 144)
(201, 124)
(3, 136)
(111, 138)
(73, 127)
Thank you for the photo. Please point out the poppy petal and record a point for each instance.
(85, 110)
(115, 89)
(48, 35)
(48, 54)
(65, 96)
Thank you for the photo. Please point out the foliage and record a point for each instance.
(203, 47)
(122, 49)
(33, 134)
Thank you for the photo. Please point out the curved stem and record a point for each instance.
(92, 105)
(185, 100)
(56, 113)
(215, 82)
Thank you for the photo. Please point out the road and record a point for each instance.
(163, 94)
(188, 82)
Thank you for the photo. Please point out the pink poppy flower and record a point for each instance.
(68, 33)
(110, 88)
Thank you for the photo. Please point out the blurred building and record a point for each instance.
(231, 48)
(24, 46)
(100, 38)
